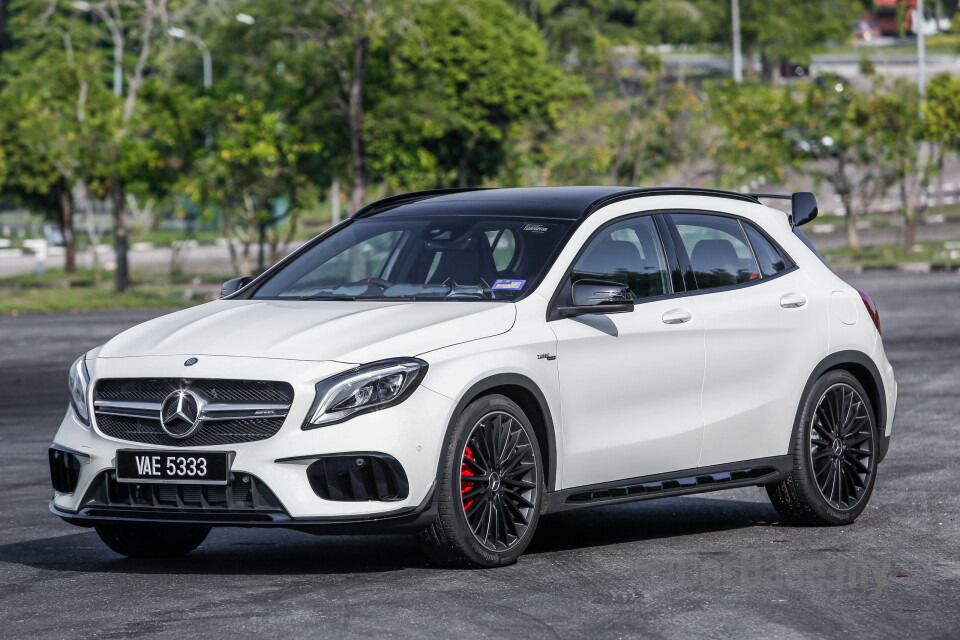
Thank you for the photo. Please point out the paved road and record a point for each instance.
(718, 565)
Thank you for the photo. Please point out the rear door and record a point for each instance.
(763, 334)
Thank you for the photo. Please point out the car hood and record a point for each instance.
(350, 332)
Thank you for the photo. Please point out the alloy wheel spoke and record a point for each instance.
(854, 462)
(855, 480)
(520, 470)
(522, 484)
(821, 428)
(509, 450)
(518, 498)
(860, 439)
(517, 514)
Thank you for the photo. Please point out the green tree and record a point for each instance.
(789, 30)
(464, 78)
(752, 141)
(894, 111)
(942, 120)
(837, 117)
(253, 164)
(54, 113)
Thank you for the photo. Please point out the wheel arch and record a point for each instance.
(528, 396)
(860, 366)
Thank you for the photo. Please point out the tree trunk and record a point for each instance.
(335, 202)
(262, 241)
(853, 238)
(66, 230)
(462, 179)
(940, 162)
(909, 232)
(358, 146)
(122, 275)
(908, 228)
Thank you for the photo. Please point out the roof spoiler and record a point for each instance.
(803, 206)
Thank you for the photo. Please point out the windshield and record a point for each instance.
(463, 257)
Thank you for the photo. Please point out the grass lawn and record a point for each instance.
(884, 255)
(51, 300)
(55, 291)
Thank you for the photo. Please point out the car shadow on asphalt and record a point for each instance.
(662, 520)
(272, 552)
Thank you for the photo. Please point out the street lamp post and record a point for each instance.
(180, 34)
(86, 7)
(737, 53)
(920, 25)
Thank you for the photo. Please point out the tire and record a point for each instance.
(834, 471)
(137, 540)
(488, 523)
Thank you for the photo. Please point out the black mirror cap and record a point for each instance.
(804, 208)
(230, 287)
(599, 296)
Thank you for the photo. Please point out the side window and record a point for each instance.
(717, 249)
(627, 252)
(769, 259)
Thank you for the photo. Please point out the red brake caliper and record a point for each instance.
(466, 485)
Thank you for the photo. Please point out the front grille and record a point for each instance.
(245, 494)
(210, 434)
(156, 389)
(142, 426)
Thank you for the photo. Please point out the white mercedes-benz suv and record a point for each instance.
(457, 363)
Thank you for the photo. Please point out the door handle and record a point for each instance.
(677, 316)
(793, 300)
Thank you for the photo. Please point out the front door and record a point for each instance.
(630, 382)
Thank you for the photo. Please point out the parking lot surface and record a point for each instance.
(718, 565)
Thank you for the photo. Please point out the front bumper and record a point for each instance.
(401, 520)
(411, 432)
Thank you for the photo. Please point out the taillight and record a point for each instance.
(871, 308)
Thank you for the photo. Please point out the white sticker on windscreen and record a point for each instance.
(534, 228)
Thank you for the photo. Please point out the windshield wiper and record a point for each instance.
(327, 296)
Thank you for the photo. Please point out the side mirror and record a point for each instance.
(599, 296)
(230, 287)
(803, 208)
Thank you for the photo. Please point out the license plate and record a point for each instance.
(188, 467)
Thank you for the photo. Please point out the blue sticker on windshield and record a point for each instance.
(509, 285)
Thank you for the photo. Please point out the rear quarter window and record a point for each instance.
(770, 260)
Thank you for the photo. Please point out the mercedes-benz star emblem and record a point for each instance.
(180, 413)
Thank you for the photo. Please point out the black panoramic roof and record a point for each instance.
(568, 203)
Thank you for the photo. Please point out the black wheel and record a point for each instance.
(138, 540)
(489, 489)
(835, 456)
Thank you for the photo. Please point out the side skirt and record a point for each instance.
(761, 471)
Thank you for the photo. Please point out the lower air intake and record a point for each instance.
(358, 477)
(64, 470)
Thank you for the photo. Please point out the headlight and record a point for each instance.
(79, 381)
(368, 388)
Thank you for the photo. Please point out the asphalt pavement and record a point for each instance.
(712, 566)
